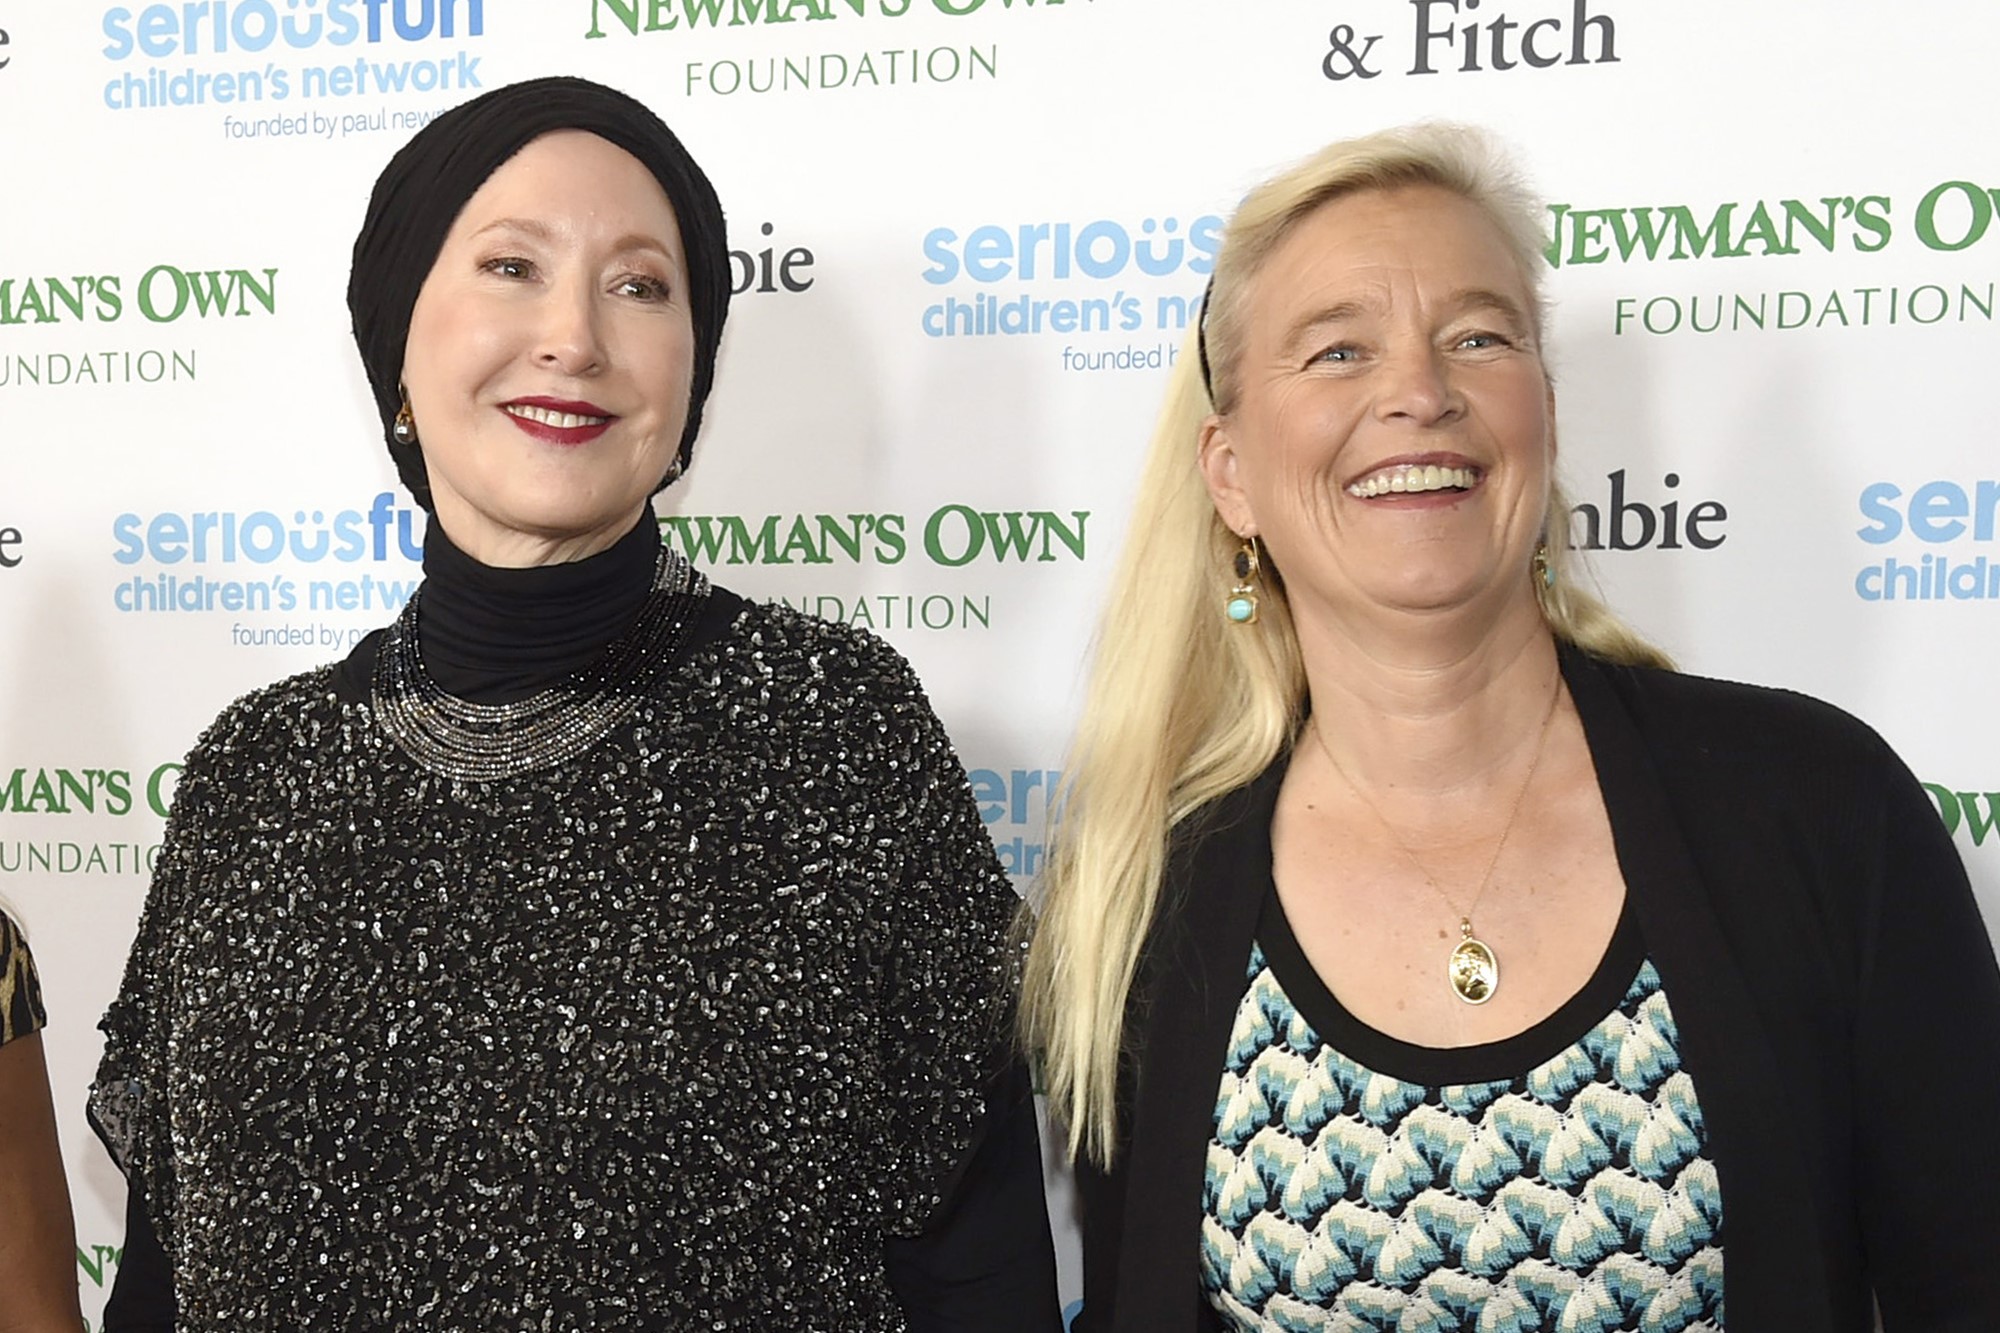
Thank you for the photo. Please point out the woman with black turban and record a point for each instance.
(591, 948)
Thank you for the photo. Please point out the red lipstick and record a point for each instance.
(566, 421)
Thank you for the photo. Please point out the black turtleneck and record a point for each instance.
(494, 636)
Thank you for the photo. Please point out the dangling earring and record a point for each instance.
(1544, 571)
(1241, 605)
(404, 429)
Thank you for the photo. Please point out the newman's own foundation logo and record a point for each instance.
(86, 791)
(162, 294)
(1973, 813)
(853, 67)
(953, 535)
(35, 794)
(1948, 217)
(634, 17)
(960, 545)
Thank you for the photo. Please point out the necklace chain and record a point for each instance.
(1464, 917)
(473, 742)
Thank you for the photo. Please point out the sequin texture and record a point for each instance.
(670, 1036)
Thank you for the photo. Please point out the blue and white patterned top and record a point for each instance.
(1574, 1198)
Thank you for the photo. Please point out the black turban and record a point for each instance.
(420, 193)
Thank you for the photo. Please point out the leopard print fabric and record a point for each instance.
(21, 1009)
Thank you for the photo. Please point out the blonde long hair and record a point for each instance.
(1183, 706)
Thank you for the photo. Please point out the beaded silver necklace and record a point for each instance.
(472, 742)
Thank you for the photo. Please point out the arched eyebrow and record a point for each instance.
(1461, 302)
(627, 244)
(639, 241)
(1482, 298)
(1337, 313)
(527, 226)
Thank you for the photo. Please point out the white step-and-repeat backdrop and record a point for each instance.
(968, 237)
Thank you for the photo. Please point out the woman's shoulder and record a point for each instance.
(770, 641)
(829, 690)
(1771, 727)
(278, 715)
(279, 704)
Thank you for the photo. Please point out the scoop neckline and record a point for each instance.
(1443, 1066)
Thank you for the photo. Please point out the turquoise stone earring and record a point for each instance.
(1241, 605)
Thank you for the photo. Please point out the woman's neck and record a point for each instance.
(491, 635)
(1426, 707)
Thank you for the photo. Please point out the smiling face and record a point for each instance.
(551, 354)
(1392, 432)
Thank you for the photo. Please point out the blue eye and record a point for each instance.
(1340, 352)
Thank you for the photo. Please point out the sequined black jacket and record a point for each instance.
(699, 1031)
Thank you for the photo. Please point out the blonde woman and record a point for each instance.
(1421, 950)
(37, 1236)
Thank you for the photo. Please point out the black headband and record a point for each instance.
(1201, 338)
(420, 193)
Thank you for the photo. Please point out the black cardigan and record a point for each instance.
(1834, 987)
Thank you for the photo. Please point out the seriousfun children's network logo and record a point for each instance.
(1931, 523)
(1137, 284)
(289, 558)
(1014, 805)
(257, 39)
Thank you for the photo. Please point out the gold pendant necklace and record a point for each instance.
(1472, 969)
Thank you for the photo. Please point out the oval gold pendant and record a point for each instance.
(1473, 971)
